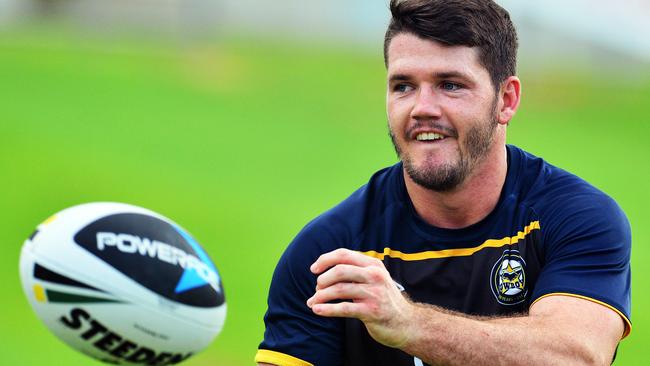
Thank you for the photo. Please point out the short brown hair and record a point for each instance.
(472, 23)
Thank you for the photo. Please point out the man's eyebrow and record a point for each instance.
(451, 75)
(436, 75)
(399, 77)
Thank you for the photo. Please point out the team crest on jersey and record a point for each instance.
(508, 278)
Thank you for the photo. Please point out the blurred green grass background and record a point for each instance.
(242, 142)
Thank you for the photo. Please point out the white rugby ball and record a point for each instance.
(123, 284)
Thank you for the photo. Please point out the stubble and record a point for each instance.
(447, 177)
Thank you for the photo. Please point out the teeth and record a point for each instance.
(429, 136)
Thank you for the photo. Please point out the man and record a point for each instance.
(469, 251)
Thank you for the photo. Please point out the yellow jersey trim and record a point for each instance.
(461, 252)
(278, 358)
(628, 324)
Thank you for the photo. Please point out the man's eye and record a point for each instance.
(402, 88)
(449, 86)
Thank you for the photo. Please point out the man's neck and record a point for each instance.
(469, 203)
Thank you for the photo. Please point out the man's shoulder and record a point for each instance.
(545, 183)
(559, 196)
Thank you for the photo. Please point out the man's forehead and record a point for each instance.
(409, 52)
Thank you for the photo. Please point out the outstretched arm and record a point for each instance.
(557, 329)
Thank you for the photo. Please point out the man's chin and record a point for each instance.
(436, 177)
(433, 164)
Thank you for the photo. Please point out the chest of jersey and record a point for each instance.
(492, 276)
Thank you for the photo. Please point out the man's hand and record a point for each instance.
(368, 293)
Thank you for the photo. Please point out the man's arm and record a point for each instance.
(557, 330)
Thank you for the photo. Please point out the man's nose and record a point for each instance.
(427, 104)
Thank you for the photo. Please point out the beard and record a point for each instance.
(449, 176)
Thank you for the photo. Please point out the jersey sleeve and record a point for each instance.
(294, 335)
(587, 243)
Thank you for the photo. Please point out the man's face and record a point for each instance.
(441, 108)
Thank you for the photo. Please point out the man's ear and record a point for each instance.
(509, 98)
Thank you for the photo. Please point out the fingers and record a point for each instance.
(342, 273)
(364, 290)
(342, 309)
(350, 276)
(339, 291)
(343, 256)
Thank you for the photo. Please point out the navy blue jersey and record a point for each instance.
(550, 233)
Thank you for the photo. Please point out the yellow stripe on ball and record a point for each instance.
(39, 293)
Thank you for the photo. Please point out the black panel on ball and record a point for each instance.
(153, 253)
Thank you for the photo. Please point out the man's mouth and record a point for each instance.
(429, 136)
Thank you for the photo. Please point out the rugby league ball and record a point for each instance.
(123, 284)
